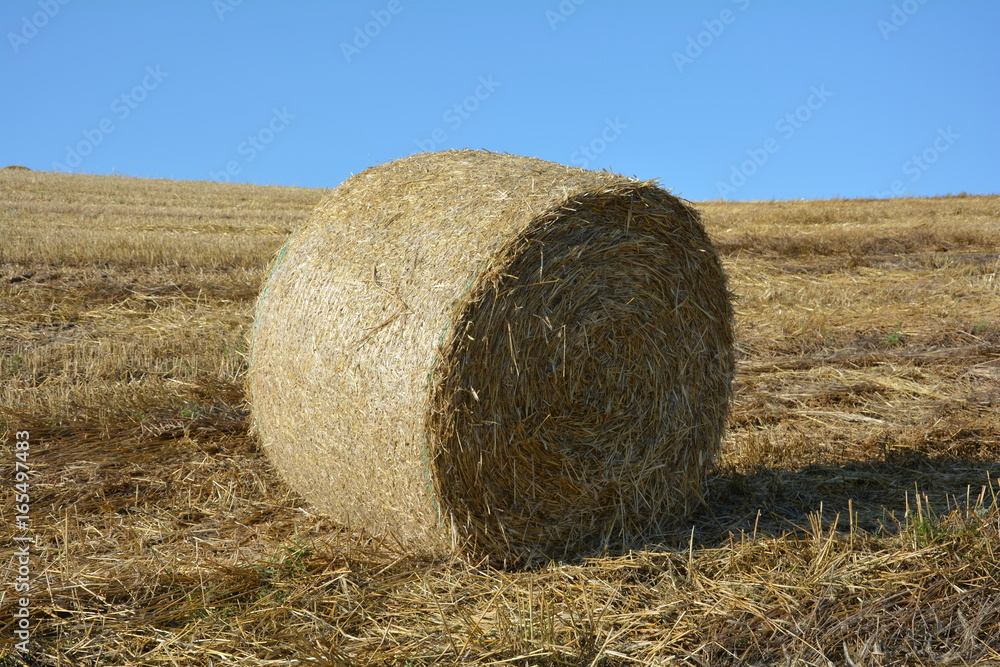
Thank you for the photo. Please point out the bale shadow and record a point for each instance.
(875, 495)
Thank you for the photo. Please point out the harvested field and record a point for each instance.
(852, 517)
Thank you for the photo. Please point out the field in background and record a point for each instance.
(853, 517)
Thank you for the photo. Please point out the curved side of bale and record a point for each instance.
(495, 353)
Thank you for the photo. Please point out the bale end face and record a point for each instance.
(581, 396)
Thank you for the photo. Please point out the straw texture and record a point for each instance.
(494, 354)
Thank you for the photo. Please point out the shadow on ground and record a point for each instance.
(772, 502)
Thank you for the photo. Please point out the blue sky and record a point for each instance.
(733, 99)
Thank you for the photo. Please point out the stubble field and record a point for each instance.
(852, 519)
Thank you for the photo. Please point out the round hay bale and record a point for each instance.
(495, 354)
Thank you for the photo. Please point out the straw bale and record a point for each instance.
(495, 354)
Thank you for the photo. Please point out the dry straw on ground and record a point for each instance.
(495, 354)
